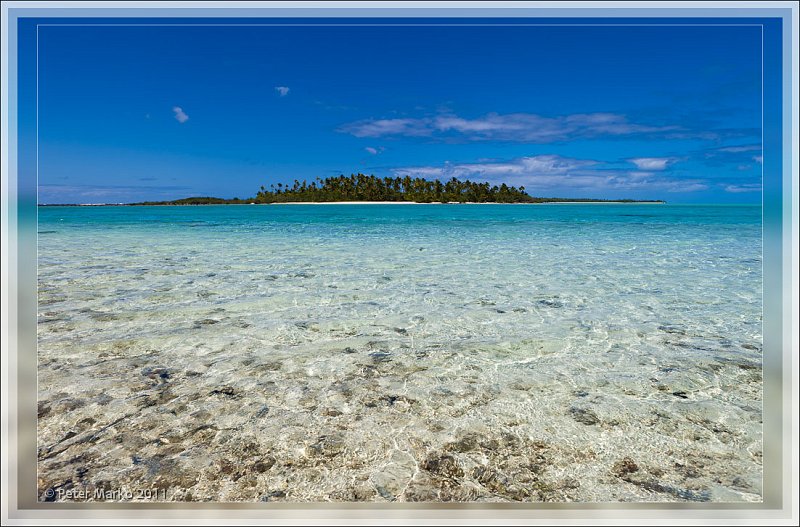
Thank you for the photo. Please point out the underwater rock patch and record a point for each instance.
(466, 443)
(443, 465)
(550, 302)
(624, 467)
(272, 495)
(224, 390)
(264, 464)
(500, 484)
(327, 446)
(381, 356)
(584, 416)
(43, 409)
(156, 373)
(674, 330)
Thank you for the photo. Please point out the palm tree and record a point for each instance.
(362, 187)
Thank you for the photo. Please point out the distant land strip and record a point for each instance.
(363, 188)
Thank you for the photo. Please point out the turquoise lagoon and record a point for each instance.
(571, 352)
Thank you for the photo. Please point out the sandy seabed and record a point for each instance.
(347, 363)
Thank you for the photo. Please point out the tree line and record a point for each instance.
(360, 187)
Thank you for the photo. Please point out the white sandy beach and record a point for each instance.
(349, 203)
(464, 203)
(601, 203)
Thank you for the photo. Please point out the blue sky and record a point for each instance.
(135, 113)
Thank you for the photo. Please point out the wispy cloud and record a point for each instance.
(756, 187)
(739, 157)
(374, 151)
(652, 163)
(739, 148)
(180, 115)
(543, 173)
(283, 91)
(386, 127)
(514, 127)
(106, 193)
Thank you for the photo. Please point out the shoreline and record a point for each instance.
(353, 203)
(601, 203)
(466, 203)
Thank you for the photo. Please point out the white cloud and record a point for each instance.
(544, 165)
(743, 188)
(180, 115)
(374, 151)
(739, 148)
(685, 186)
(283, 91)
(518, 127)
(383, 127)
(652, 163)
(758, 159)
(543, 173)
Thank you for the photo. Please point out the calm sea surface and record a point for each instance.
(402, 352)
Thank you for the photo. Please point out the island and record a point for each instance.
(363, 188)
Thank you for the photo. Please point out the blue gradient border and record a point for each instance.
(779, 180)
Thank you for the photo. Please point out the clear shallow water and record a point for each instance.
(401, 352)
